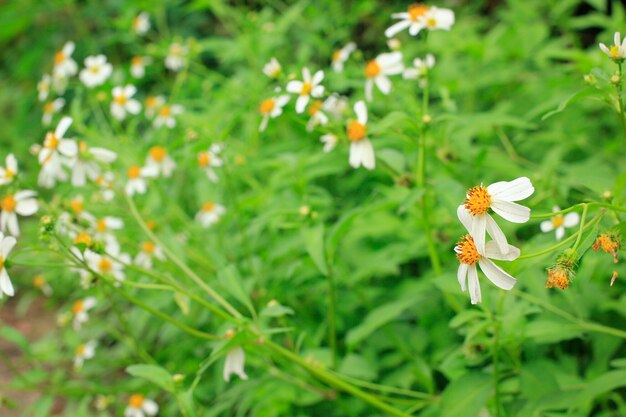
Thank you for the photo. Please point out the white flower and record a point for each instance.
(377, 70)
(234, 364)
(105, 183)
(340, 56)
(43, 87)
(122, 102)
(9, 171)
(272, 68)
(148, 251)
(160, 161)
(85, 165)
(103, 230)
(559, 223)
(106, 265)
(141, 23)
(59, 83)
(140, 406)
(394, 44)
(421, 67)
(210, 213)
(420, 16)
(210, 159)
(83, 352)
(166, 114)
(618, 50)
(499, 197)
(469, 255)
(23, 203)
(307, 88)
(64, 65)
(336, 105)
(272, 108)
(50, 108)
(97, 70)
(80, 310)
(6, 246)
(317, 115)
(152, 104)
(329, 141)
(137, 179)
(40, 283)
(138, 66)
(361, 150)
(176, 57)
(55, 152)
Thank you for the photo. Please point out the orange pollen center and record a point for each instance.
(466, 251)
(76, 205)
(51, 142)
(136, 400)
(8, 203)
(48, 107)
(165, 111)
(204, 160)
(557, 221)
(372, 69)
(82, 146)
(134, 172)
(267, 106)
(121, 99)
(80, 350)
(158, 153)
(83, 238)
(417, 10)
(336, 55)
(208, 207)
(137, 60)
(607, 244)
(59, 57)
(39, 281)
(148, 247)
(101, 225)
(315, 107)
(306, 89)
(478, 200)
(356, 131)
(557, 278)
(105, 265)
(78, 307)
(614, 51)
(1, 263)
(151, 101)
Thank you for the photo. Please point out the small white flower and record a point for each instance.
(307, 88)
(361, 150)
(43, 87)
(317, 115)
(56, 152)
(137, 179)
(23, 203)
(59, 83)
(272, 108)
(49, 108)
(159, 159)
(84, 351)
(148, 252)
(80, 310)
(9, 171)
(64, 65)
(166, 114)
(234, 364)
(6, 246)
(176, 57)
(210, 213)
(152, 104)
(336, 105)
(329, 141)
(618, 50)
(105, 183)
(559, 222)
(420, 67)
(140, 406)
(40, 283)
(377, 70)
(138, 66)
(85, 165)
(272, 69)
(106, 265)
(394, 44)
(340, 56)
(499, 197)
(141, 23)
(210, 159)
(123, 102)
(420, 16)
(97, 70)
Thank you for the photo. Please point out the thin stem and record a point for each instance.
(575, 206)
(618, 86)
(332, 333)
(385, 388)
(496, 352)
(581, 227)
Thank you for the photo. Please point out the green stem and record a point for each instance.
(581, 227)
(575, 206)
(496, 352)
(332, 333)
(618, 86)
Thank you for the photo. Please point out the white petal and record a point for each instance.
(414, 29)
(478, 231)
(560, 232)
(361, 112)
(546, 226)
(150, 407)
(571, 219)
(515, 190)
(5, 283)
(496, 275)
(389, 59)
(464, 217)
(367, 154)
(512, 212)
(383, 84)
(474, 285)
(294, 86)
(68, 147)
(496, 234)
(462, 275)
(318, 77)
(7, 246)
(26, 207)
(397, 28)
(369, 85)
(301, 103)
(493, 251)
(62, 127)
(133, 106)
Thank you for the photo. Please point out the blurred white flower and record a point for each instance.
(9, 171)
(6, 246)
(43, 87)
(618, 50)
(136, 182)
(176, 57)
(210, 159)
(160, 161)
(80, 310)
(85, 165)
(49, 108)
(420, 16)
(420, 67)
(104, 264)
(558, 223)
(147, 252)
(165, 116)
(123, 102)
(307, 88)
(56, 152)
(138, 65)
(40, 283)
(234, 364)
(83, 352)
(272, 69)
(377, 70)
(141, 23)
(140, 406)
(272, 108)
(361, 149)
(340, 56)
(23, 203)
(152, 104)
(329, 141)
(97, 70)
(336, 105)
(64, 65)
(210, 213)
(317, 115)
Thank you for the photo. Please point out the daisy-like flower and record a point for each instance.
(500, 197)
(329, 141)
(64, 65)
(123, 102)
(83, 352)
(165, 116)
(23, 203)
(80, 310)
(272, 69)
(85, 165)
(176, 57)
(151, 104)
(41, 284)
(9, 171)
(210, 213)
(317, 115)
(137, 179)
(234, 364)
(138, 66)
(159, 159)
(141, 23)
(147, 252)
(307, 88)
(559, 223)
(617, 51)
(418, 17)
(49, 108)
(105, 184)
(377, 70)
(59, 83)
(361, 150)
(103, 230)
(97, 70)
(340, 56)
(272, 108)
(106, 265)
(336, 105)
(55, 152)
(140, 406)
(43, 87)
(6, 246)
(420, 67)
(210, 159)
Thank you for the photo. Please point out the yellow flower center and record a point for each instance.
(372, 69)
(105, 265)
(51, 142)
(80, 350)
(1, 263)
(59, 57)
(315, 107)
(614, 51)
(83, 238)
(336, 55)
(417, 10)
(356, 131)
(478, 200)
(137, 60)
(39, 281)
(121, 99)
(8, 203)
(204, 160)
(165, 111)
(101, 225)
(557, 221)
(82, 146)
(466, 251)
(158, 153)
(76, 205)
(208, 207)
(148, 247)
(48, 107)
(8, 173)
(136, 400)
(557, 278)
(134, 172)
(95, 69)
(78, 306)
(431, 22)
(306, 89)
(151, 101)
(267, 106)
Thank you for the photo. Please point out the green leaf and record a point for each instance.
(552, 331)
(356, 366)
(314, 242)
(276, 310)
(567, 101)
(231, 280)
(14, 336)
(466, 396)
(154, 374)
(603, 384)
